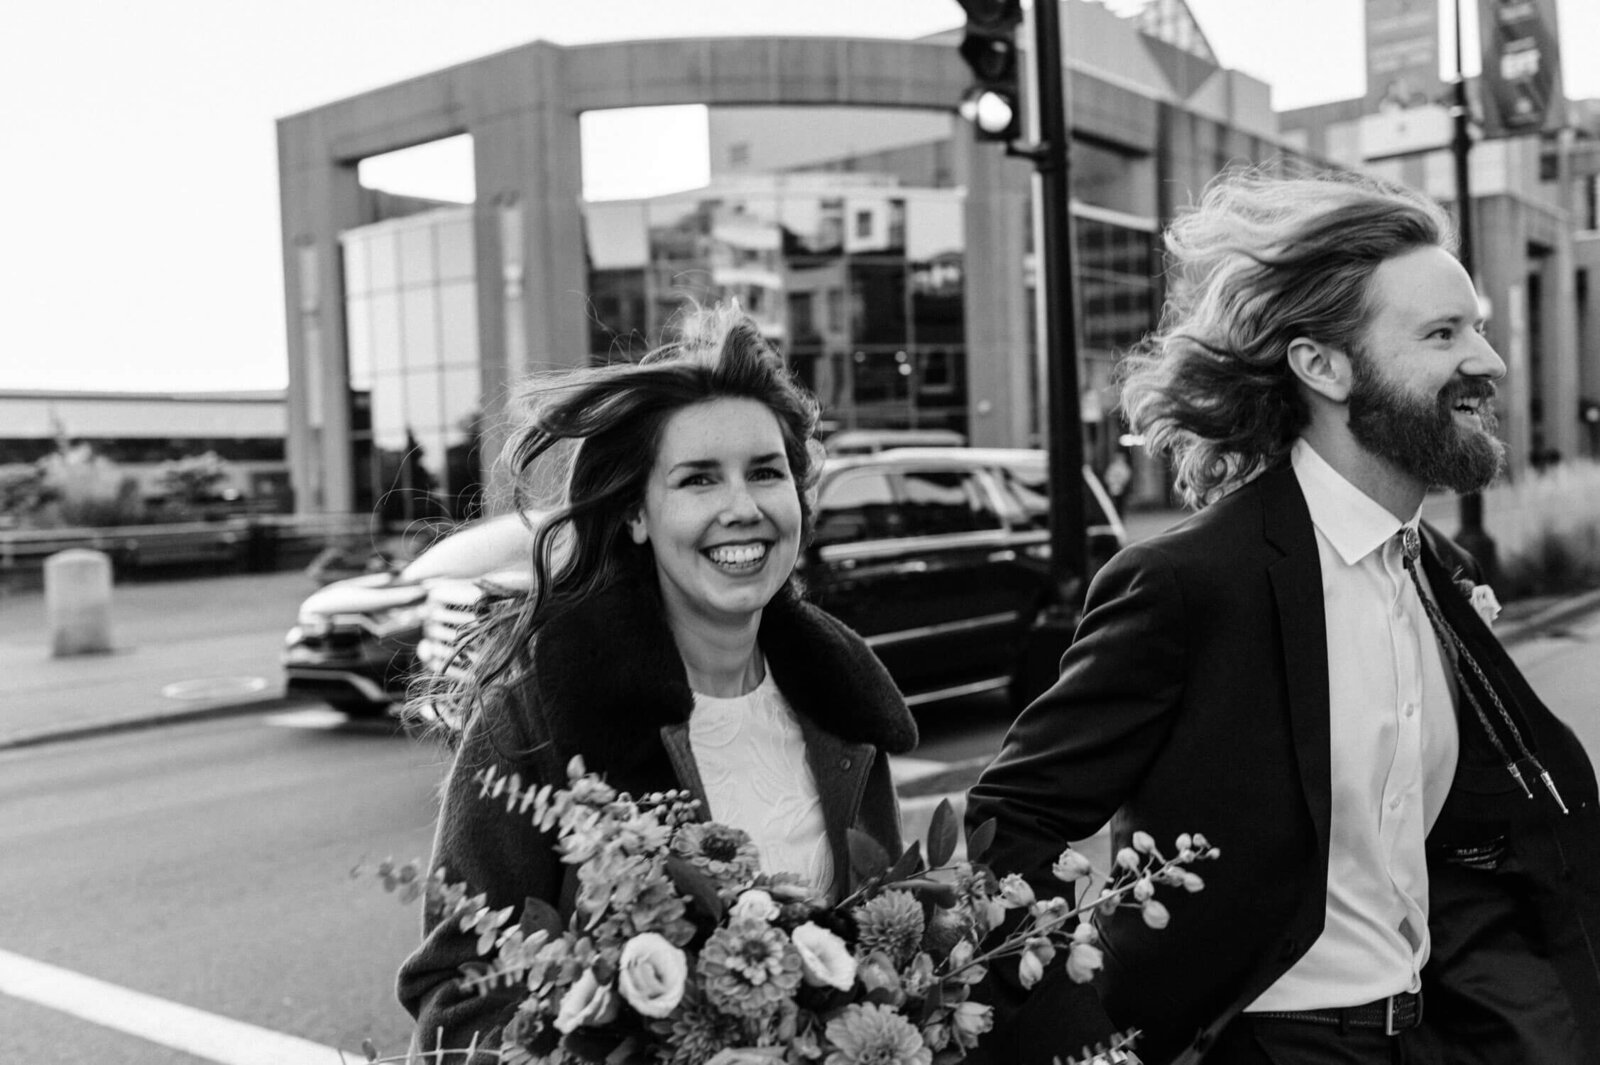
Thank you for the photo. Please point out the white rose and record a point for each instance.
(824, 958)
(1485, 603)
(754, 904)
(587, 1003)
(651, 974)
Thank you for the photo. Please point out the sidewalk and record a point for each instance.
(184, 649)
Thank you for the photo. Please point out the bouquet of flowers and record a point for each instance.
(683, 951)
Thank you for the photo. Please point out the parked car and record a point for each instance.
(872, 441)
(356, 641)
(939, 557)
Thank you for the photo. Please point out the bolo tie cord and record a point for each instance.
(1411, 550)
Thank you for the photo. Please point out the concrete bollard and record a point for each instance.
(77, 599)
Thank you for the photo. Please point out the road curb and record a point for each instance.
(1557, 613)
(109, 726)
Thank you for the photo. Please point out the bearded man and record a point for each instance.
(1410, 844)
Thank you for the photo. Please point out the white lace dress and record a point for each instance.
(752, 761)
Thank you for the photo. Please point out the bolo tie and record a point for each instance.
(1411, 550)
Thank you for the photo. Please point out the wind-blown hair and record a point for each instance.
(1258, 261)
(610, 420)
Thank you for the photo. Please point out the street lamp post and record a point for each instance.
(1472, 536)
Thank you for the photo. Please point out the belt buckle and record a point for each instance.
(1388, 1016)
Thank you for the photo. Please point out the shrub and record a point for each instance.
(88, 489)
(1547, 529)
(193, 478)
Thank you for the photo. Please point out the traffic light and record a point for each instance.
(992, 105)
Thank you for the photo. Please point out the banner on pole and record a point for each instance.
(1402, 54)
(1521, 80)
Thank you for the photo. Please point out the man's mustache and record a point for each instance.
(1479, 388)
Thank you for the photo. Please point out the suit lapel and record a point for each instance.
(1296, 579)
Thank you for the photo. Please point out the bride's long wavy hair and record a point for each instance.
(1259, 260)
(589, 437)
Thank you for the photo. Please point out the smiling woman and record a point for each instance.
(664, 642)
(722, 517)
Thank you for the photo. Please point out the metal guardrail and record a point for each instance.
(255, 542)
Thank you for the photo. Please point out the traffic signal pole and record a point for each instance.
(1056, 294)
(1471, 536)
(991, 105)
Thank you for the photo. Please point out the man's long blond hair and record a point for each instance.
(1259, 260)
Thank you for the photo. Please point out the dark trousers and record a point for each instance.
(1273, 1041)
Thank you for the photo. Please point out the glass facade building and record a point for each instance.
(858, 281)
(411, 319)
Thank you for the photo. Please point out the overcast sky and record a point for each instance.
(141, 246)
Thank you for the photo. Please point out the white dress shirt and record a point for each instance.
(1393, 753)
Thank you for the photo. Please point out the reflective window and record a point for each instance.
(1029, 488)
(857, 506)
(384, 270)
(455, 245)
(385, 332)
(838, 230)
(458, 322)
(420, 324)
(1116, 283)
(357, 275)
(939, 502)
(416, 256)
(358, 341)
(415, 376)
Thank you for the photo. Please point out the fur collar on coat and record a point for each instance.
(607, 676)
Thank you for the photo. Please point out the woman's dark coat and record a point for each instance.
(607, 682)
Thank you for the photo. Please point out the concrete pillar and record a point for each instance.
(1001, 399)
(77, 597)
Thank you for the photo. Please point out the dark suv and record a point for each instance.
(940, 558)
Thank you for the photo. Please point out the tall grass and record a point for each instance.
(1546, 527)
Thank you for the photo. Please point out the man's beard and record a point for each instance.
(1422, 438)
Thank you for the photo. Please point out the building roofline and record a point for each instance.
(233, 396)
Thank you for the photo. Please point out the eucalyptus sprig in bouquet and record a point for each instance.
(681, 950)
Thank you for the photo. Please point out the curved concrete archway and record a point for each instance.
(521, 108)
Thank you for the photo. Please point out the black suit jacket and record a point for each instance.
(1195, 698)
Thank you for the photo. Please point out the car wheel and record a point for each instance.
(355, 706)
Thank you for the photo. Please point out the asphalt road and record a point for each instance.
(207, 865)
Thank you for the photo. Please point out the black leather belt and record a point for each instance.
(1393, 1014)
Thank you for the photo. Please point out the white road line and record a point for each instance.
(313, 717)
(168, 1024)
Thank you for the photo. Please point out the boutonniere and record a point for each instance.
(1481, 596)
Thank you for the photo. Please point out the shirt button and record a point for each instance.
(844, 763)
(1394, 803)
(1410, 709)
